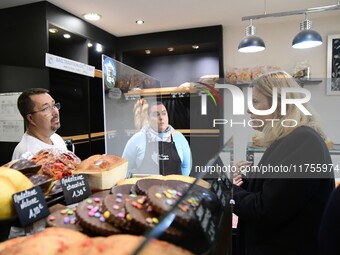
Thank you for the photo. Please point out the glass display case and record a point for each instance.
(127, 93)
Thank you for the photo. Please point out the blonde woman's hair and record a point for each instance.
(281, 79)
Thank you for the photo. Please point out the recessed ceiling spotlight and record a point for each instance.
(195, 47)
(92, 16)
(171, 49)
(99, 47)
(89, 45)
(53, 30)
(140, 22)
(148, 52)
(67, 36)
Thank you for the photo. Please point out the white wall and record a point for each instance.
(278, 37)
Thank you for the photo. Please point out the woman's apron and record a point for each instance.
(162, 159)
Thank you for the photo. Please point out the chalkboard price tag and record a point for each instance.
(75, 188)
(206, 220)
(30, 205)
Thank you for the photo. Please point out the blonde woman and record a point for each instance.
(280, 205)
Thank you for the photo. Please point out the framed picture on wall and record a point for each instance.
(333, 65)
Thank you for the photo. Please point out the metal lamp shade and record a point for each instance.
(251, 43)
(307, 39)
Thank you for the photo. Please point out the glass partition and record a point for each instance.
(124, 113)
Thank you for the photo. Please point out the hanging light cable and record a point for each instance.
(306, 38)
(251, 42)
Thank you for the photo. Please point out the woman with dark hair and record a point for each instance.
(158, 148)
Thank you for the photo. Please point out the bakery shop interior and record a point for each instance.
(170, 127)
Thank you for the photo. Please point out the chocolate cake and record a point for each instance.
(163, 198)
(210, 198)
(143, 185)
(123, 189)
(92, 217)
(143, 217)
(64, 218)
(115, 205)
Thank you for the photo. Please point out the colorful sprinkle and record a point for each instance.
(155, 220)
(73, 220)
(106, 214)
(96, 199)
(102, 219)
(158, 195)
(119, 200)
(135, 204)
(141, 201)
(51, 218)
(148, 220)
(121, 215)
(97, 214)
(115, 207)
(66, 220)
(89, 201)
(64, 211)
(128, 217)
(119, 194)
(169, 202)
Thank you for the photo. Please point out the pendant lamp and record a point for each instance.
(306, 38)
(251, 42)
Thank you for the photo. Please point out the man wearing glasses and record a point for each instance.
(41, 119)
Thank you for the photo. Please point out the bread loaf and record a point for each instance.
(103, 171)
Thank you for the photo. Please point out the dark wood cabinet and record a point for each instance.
(22, 65)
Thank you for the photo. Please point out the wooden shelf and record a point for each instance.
(302, 82)
(166, 91)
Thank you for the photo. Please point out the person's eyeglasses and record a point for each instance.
(48, 109)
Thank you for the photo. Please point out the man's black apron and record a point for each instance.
(168, 160)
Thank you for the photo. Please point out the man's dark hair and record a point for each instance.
(25, 104)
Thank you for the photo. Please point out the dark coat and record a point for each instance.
(282, 215)
(329, 235)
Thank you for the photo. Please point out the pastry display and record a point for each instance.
(93, 218)
(27, 167)
(143, 217)
(143, 185)
(125, 189)
(103, 171)
(163, 198)
(246, 75)
(64, 218)
(115, 205)
(51, 241)
(56, 164)
(59, 241)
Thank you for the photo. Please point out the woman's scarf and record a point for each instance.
(154, 136)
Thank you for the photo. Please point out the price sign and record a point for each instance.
(30, 205)
(75, 188)
(206, 220)
(215, 224)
